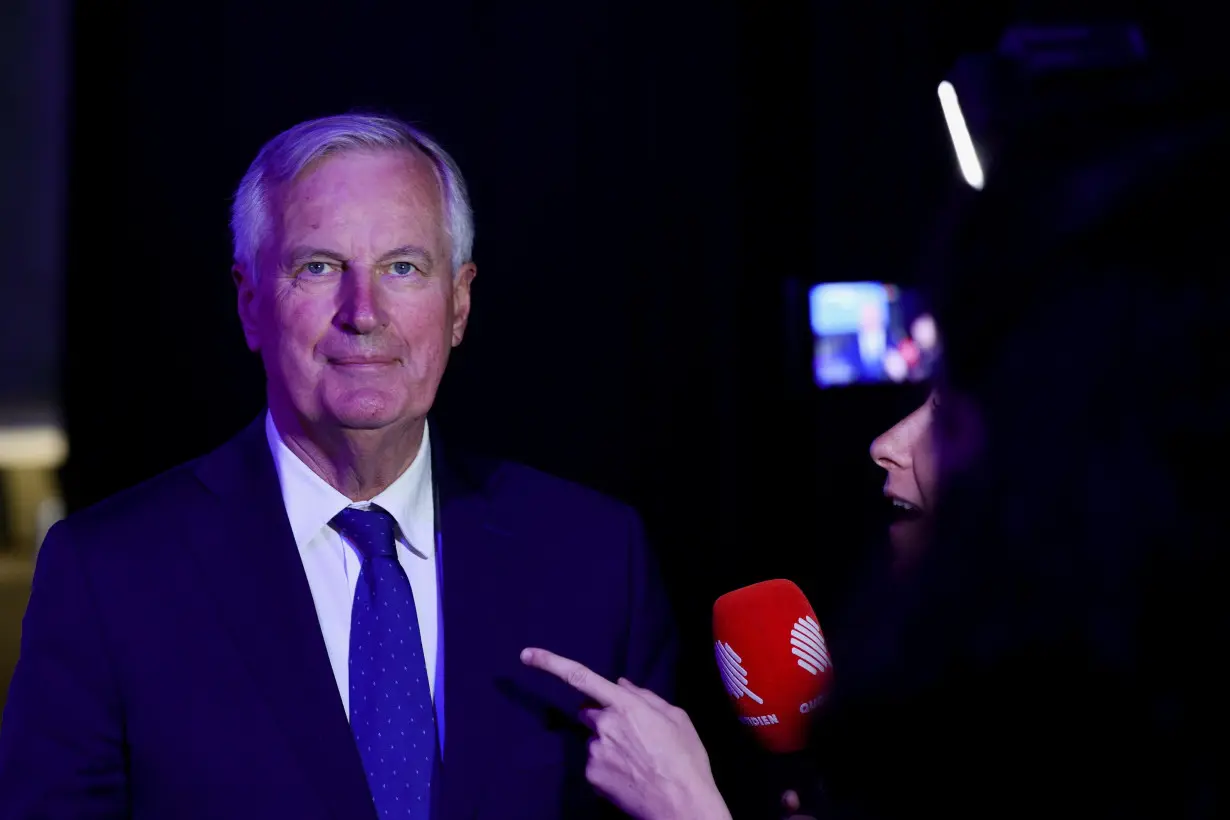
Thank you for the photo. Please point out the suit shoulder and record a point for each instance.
(135, 509)
(509, 482)
(533, 483)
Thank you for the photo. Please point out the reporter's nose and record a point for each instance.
(891, 449)
(361, 309)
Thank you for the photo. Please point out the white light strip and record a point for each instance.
(962, 144)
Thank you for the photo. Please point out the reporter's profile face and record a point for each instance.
(907, 453)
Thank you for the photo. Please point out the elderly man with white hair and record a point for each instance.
(323, 618)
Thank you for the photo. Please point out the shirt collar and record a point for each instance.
(311, 503)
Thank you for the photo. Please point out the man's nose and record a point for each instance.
(361, 309)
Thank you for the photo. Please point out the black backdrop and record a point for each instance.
(33, 97)
(649, 180)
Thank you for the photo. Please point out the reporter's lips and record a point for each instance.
(902, 509)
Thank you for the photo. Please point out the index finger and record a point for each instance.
(576, 675)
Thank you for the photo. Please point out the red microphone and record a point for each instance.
(773, 660)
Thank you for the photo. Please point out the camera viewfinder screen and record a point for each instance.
(870, 332)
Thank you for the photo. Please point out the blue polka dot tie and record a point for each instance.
(391, 713)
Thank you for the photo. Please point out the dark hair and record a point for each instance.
(1058, 646)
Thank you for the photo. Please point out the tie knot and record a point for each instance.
(370, 530)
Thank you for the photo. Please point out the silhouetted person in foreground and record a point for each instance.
(1057, 647)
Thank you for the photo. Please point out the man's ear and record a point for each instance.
(247, 303)
(461, 300)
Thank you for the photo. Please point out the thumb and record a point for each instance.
(653, 698)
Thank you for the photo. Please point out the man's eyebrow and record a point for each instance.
(305, 252)
(407, 250)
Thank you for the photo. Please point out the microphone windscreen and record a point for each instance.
(773, 660)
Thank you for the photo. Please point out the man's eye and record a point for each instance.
(403, 268)
(317, 268)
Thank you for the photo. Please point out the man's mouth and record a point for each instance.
(360, 361)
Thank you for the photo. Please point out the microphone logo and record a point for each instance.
(807, 642)
(734, 676)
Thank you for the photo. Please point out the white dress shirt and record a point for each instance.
(332, 563)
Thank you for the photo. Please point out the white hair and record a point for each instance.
(287, 155)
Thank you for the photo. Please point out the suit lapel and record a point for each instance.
(481, 636)
(248, 558)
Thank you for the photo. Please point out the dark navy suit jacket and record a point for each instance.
(172, 665)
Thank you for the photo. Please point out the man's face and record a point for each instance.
(356, 307)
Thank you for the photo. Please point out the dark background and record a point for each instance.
(34, 77)
(655, 185)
